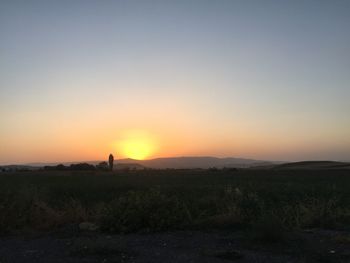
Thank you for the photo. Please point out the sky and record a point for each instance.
(144, 79)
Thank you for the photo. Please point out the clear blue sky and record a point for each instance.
(260, 79)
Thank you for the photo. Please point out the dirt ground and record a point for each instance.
(72, 245)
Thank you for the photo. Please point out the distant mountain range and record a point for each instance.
(311, 165)
(178, 163)
(199, 162)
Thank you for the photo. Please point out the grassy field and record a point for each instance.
(267, 201)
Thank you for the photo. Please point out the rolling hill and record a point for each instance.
(179, 163)
(197, 162)
(312, 165)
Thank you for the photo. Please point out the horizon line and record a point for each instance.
(167, 157)
(183, 156)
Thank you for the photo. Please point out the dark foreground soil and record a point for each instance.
(72, 245)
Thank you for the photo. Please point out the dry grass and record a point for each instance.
(269, 204)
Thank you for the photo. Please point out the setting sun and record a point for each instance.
(137, 149)
(136, 145)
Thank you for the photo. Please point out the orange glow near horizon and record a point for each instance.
(137, 145)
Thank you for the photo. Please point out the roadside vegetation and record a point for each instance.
(268, 203)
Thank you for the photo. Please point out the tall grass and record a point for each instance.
(175, 199)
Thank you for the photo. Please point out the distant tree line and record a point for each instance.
(102, 166)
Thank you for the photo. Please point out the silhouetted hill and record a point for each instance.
(314, 165)
(132, 166)
(196, 162)
(180, 163)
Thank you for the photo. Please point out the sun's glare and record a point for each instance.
(137, 149)
(136, 145)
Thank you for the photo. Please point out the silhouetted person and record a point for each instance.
(111, 161)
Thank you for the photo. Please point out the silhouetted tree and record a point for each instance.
(111, 162)
(102, 166)
(61, 167)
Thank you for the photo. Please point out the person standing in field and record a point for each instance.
(111, 162)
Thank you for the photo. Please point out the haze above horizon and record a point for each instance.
(266, 80)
